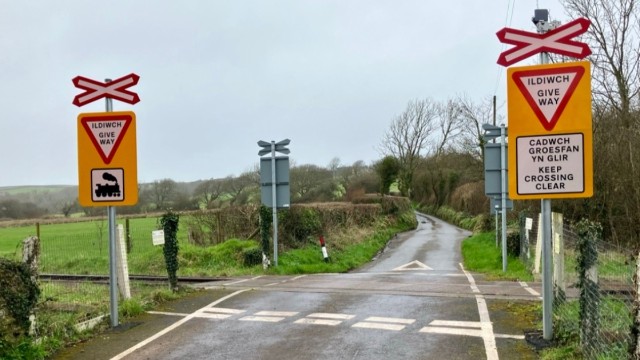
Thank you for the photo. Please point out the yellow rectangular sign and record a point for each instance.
(107, 159)
(550, 131)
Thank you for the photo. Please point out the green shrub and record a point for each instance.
(169, 223)
(252, 256)
(513, 243)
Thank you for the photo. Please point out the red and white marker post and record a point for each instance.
(324, 249)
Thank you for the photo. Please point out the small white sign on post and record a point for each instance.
(528, 223)
(157, 236)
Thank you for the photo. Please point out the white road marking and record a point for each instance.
(414, 265)
(464, 332)
(331, 316)
(223, 310)
(372, 325)
(469, 324)
(262, 318)
(529, 289)
(486, 327)
(172, 327)
(277, 313)
(272, 284)
(166, 313)
(451, 331)
(318, 321)
(390, 320)
(241, 281)
(297, 277)
(213, 316)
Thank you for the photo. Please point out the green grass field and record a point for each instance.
(82, 247)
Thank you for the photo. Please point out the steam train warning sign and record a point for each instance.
(107, 159)
(107, 184)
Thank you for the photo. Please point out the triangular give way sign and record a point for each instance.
(548, 90)
(106, 131)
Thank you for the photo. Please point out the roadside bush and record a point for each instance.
(298, 223)
(252, 256)
(513, 242)
(19, 294)
(210, 227)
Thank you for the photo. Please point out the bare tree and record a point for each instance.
(237, 187)
(474, 115)
(209, 191)
(450, 124)
(408, 136)
(162, 191)
(616, 50)
(305, 178)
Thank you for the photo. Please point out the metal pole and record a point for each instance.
(547, 271)
(274, 203)
(503, 205)
(113, 269)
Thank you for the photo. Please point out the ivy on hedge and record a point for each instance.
(19, 294)
(169, 222)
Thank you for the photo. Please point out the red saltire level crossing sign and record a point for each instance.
(106, 132)
(116, 89)
(548, 90)
(556, 41)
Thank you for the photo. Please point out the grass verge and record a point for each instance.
(480, 254)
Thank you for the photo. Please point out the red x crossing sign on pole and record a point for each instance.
(116, 89)
(557, 41)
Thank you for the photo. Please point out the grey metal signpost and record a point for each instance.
(493, 132)
(273, 147)
(113, 264)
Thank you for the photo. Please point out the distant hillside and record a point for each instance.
(18, 190)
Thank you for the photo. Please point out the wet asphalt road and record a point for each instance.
(413, 302)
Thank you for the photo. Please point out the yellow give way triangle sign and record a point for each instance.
(548, 91)
(414, 265)
(107, 159)
(550, 131)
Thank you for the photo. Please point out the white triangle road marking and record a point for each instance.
(414, 265)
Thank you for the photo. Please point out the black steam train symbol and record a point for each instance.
(107, 189)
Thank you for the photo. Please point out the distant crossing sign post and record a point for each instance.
(271, 173)
(550, 131)
(107, 158)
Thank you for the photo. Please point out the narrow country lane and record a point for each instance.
(413, 302)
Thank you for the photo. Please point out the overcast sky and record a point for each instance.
(217, 76)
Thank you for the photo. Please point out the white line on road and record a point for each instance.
(453, 323)
(486, 326)
(241, 281)
(172, 327)
(213, 316)
(277, 313)
(390, 320)
(451, 331)
(223, 310)
(529, 289)
(262, 318)
(372, 325)
(318, 322)
(166, 313)
(331, 316)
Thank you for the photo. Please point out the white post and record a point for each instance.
(123, 269)
(558, 253)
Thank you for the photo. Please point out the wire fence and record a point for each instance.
(594, 289)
